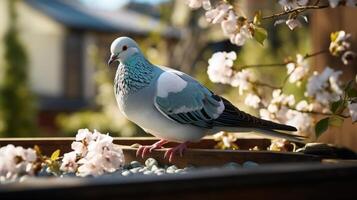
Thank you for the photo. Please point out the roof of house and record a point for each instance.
(78, 16)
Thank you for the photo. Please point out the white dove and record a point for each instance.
(173, 106)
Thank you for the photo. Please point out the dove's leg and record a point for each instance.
(181, 148)
(144, 149)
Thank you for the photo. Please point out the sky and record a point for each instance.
(115, 4)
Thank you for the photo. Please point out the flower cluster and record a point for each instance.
(297, 70)
(235, 27)
(220, 67)
(226, 141)
(93, 154)
(335, 3)
(252, 100)
(16, 162)
(281, 145)
(220, 71)
(281, 109)
(340, 46)
(292, 4)
(195, 4)
(324, 87)
(293, 21)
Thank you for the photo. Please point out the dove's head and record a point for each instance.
(122, 48)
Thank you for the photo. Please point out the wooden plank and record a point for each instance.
(292, 181)
(196, 155)
(48, 145)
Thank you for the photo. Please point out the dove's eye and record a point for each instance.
(125, 48)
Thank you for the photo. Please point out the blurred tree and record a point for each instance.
(16, 101)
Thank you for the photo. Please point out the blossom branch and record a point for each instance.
(316, 53)
(296, 11)
(258, 83)
(318, 113)
(283, 63)
(305, 57)
(263, 65)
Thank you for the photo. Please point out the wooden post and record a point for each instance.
(322, 23)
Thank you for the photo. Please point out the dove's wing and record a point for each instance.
(186, 101)
(183, 99)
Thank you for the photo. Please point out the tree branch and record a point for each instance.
(318, 113)
(265, 85)
(296, 10)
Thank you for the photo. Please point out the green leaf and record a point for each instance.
(55, 155)
(352, 93)
(333, 36)
(336, 105)
(335, 120)
(257, 17)
(321, 126)
(260, 34)
(349, 85)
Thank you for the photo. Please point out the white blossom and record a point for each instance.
(302, 121)
(302, 106)
(280, 110)
(352, 107)
(16, 162)
(324, 87)
(242, 36)
(229, 25)
(220, 67)
(195, 4)
(293, 23)
(218, 14)
(69, 163)
(297, 70)
(94, 154)
(334, 3)
(282, 99)
(227, 139)
(252, 100)
(291, 4)
(242, 80)
(84, 135)
(348, 57)
(79, 148)
(339, 42)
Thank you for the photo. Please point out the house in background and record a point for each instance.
(58, 34)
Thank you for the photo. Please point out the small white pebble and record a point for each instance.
(143, 169)
(126, 173)
(135, 170)
(154, 168)
(250, 164)
(179, 170)
(135, 164)
(148, 172)
(150, 162)
(159, 173)
(232, 165)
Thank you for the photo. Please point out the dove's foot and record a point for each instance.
(181, 148)
(145, 149)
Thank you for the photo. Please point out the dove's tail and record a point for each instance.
(277, 134)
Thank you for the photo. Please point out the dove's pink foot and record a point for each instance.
(145, 149)
(181, 148)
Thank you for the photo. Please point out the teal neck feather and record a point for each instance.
(133, 74)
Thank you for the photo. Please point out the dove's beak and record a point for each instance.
(112, 59)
